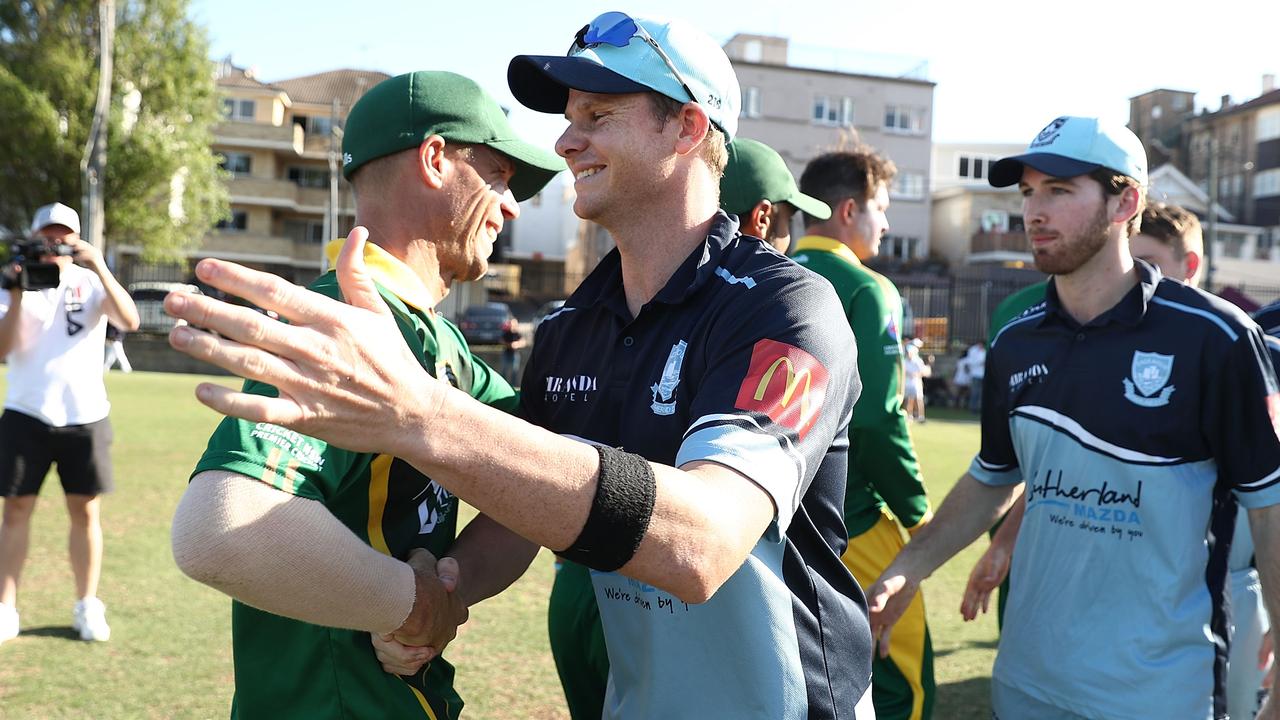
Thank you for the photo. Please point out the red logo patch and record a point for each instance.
(785, 383)
(1273, 408)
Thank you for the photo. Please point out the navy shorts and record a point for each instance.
(28, 448)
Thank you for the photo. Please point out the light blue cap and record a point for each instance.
(1071, 146)
(542, 82)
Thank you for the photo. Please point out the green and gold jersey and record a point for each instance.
(882, 463)
(290, 669)
(1014, 305)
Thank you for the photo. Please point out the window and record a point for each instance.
(975, 167)
(1268, 124)
(907, 186)
(238, 164)
(751, 102)
(829, 111)
(1267, 183)
(241, 110)
(901, 247)
(308, 176)
(1156, 112)
(903, 119)
(753, 51)
(238, 222)
(305, 231)
(1179, 103)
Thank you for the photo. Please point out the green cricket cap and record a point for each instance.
(400, 112)
(757, 172)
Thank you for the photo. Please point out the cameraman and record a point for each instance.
(56, 406)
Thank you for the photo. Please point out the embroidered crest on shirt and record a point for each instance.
(664, 390)
(1149, 375)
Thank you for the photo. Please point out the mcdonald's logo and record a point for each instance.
(785, 383)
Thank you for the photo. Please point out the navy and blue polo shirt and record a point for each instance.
(743, 358)
(1137, 434)
(1269, 318)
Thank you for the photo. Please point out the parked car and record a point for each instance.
(547, 309)
(484, 324)
(149, 297)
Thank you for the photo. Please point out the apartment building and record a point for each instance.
(802, 110)
(1158, 117)
(972, 222)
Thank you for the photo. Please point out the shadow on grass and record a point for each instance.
(64, 632)
(964, 700)
(970, 645)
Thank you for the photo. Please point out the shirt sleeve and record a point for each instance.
(996, 462)
(880, 444)
(777, 393)
(295, 463)
(1243, 421)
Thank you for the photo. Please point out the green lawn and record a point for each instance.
(169, 656)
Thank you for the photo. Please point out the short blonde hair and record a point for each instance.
(714, 148)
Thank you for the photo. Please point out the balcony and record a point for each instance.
(244, 134)
(246, 246)
(998, 242)
(249, 190)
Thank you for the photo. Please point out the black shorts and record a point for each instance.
(28, 448)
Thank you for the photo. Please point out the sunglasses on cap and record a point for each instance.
(617, 29)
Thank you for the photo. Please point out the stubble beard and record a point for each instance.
(1071, 254)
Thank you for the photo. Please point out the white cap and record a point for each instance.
(55, 214)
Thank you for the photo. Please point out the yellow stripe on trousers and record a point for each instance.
(866, 557)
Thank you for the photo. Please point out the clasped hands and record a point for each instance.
(438, 610)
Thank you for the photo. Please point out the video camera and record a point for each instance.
(31, 273)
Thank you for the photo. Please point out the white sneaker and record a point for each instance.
(90, 620)
(8, 622)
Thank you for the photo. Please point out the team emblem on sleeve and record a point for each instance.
(785, 383)
(1150, 372)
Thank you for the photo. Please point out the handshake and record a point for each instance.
(438, 610)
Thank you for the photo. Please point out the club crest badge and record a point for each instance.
(1049, 133)
(1149, 375)
(664, 390)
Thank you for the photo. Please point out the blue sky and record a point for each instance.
(1003, 67)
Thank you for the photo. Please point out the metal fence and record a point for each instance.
(950, 314)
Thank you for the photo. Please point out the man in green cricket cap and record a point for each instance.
(759, 188)
(320, 546)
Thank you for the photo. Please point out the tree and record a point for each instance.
(163, 186)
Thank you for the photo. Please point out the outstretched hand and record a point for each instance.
(343, 371)
(987, 574)
(887, 600)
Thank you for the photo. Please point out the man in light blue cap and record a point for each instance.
(1139, 412)
(711, 378)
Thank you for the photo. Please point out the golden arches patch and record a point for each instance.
(785, 383)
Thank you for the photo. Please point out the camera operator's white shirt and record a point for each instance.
(55, 366)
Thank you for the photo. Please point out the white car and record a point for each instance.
(149, 297)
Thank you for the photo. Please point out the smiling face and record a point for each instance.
(480, 202)
(1068, 220)
(617, 151)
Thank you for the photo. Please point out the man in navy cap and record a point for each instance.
(1139, 411)
(711, 378)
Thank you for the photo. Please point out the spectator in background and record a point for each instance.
(916, 370)
(115, 350)
(961, 382)
(977, 366)
(512, 341)
(55, 410)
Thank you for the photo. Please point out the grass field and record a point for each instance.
(170, 657)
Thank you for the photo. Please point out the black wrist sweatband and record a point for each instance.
(620, 512)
